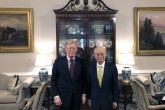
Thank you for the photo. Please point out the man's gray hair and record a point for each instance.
(100, 47)
(70, 41)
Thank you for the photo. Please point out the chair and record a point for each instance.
(142, 98)
(13, 91)
(35, 102)
(151, 88)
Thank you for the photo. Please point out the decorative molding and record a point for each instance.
(100, 8)
(85, 15)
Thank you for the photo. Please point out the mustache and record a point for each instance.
(71, 51)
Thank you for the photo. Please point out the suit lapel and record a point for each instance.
(76, 67)
(95, 74)
(105, 74)
(65, 62)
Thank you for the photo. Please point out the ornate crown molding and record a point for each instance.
(100, 8)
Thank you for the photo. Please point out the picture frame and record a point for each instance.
(16, 30)
(149, 31)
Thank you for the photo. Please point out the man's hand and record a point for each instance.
(58, 101)
(89, 103)
(114, 104)
(83, 99)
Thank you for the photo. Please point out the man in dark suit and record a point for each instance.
(102, 83)
(68, 81)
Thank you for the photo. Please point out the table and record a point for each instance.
(34, 88)
(126, 89)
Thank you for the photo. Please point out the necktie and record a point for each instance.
(100, 76)
(71, 67)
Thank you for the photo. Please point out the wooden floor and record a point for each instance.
(82, 108)
(85, 107)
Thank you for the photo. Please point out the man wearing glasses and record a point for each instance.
(102, 82)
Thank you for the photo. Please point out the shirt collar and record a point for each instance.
(69, 58)
(102, 65)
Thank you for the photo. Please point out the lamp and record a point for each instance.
(126, 59)
(43, 60)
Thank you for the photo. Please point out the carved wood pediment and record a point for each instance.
(99, 8)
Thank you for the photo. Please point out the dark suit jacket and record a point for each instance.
(63, 85)
(108, 93)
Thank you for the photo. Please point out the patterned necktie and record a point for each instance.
(100, 76)
(71, 67)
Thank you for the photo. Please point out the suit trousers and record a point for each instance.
(100, 108)
(72, 105)
(117, 108)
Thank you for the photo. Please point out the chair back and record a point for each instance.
(147, 83)
(39, 97)
(140, 95)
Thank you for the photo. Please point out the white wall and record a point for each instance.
(45, 34)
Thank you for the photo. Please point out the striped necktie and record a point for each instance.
(71, 68)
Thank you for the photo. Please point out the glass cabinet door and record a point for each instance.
(100, 33)
(71, 29)
(88, 36)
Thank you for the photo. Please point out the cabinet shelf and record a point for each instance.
(102, 34)
(89, 32)
(71, 36)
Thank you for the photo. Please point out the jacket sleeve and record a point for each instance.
(54, 78)
(115, 84)
(84, 79)
(88, 85)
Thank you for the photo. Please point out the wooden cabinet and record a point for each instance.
(89, 28)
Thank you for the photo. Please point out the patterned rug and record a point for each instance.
(128, 107)
(121, 107)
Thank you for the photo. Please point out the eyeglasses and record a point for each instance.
(71, 48)
(100, 54)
